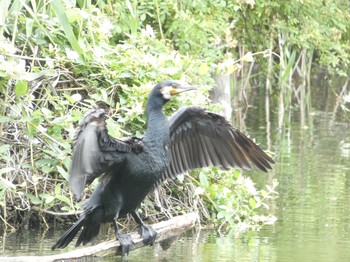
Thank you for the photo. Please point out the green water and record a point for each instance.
(313, 170)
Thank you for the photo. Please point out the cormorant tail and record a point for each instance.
(70, 234)
(89, 232)
(90, 221)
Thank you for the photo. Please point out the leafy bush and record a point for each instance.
(59, 58)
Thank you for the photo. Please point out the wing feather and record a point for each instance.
(200, 139)
(94, 151)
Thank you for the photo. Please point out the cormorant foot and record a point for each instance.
(148, 234)
(125, 243)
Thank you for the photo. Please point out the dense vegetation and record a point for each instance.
(59, 57)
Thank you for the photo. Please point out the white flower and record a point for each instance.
(13, 68)
(72, 55)
(98, 52)
(148, 31)
(150, 59)
(250, 186)
(7, 47)
(106, 27)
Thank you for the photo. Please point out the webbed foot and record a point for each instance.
(148, 234)
(125, 243)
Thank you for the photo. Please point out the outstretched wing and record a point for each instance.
(201, 139)
(94, 150)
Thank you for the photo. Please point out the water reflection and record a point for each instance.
(314, 193)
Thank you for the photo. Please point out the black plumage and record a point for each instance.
(130, 169)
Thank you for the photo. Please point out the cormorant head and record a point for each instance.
(164, 91)
(170, 88)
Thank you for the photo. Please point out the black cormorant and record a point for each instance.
(130, 169)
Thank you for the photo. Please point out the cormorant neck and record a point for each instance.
(157, 122)
(154, 104)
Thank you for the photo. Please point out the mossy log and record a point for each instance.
(167, 231)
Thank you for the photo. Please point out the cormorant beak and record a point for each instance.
(181, 89)
(169, 91)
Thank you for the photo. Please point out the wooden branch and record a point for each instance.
(167, 231)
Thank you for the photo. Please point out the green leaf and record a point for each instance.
(44, 195)
(58, 8)
(264, 193)
(289, 66)
(21, 88)
(203, 179)
(3, 74)
(4, 148)
(63, 172)
(34, 200)
(252, 202)
(6, 170)
(64, 199)
(73, 98)
(58, 189)
(5, 119)
(203, 69)
(6, 183)
(67, 209)
(221, 214)
(46, 169)
(29, 27)
(248, 57)
(4, 9)
(49, 199)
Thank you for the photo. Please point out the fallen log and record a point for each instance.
(167, 231)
